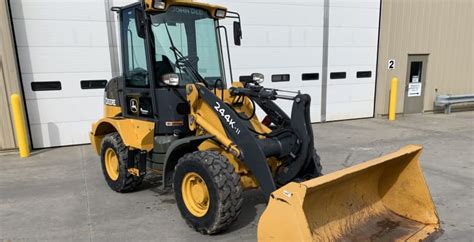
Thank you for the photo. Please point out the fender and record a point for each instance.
(137, 134)
(177, 149)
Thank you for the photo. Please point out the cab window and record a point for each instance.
(135, 64)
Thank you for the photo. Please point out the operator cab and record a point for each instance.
(162, 52)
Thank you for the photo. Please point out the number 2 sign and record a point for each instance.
(391, 64)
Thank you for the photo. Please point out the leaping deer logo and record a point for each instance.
(134, 105)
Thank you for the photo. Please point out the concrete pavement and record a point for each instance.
(60, 194)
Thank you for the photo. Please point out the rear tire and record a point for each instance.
(114, 156)
(211, 174)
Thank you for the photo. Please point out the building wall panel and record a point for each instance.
(440, 28)
(9, 78)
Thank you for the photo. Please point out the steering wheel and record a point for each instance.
(139, 75)
(139, 72)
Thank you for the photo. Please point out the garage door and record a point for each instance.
(283, 41)
(63, 44)
(64, 58)
(352, 58)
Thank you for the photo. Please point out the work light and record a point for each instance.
(258, 77)
(221, 13)
(159, 4)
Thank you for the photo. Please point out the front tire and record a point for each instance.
(207, 191)
(114, 156)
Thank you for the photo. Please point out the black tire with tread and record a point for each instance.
(317, 161)
(224, 189)
(310, 171)
(125, 182)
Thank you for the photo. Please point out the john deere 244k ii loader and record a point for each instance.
(171, 112)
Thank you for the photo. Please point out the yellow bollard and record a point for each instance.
(393, 100)
(20, 127)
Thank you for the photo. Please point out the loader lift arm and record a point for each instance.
(291, 140)
(301, 162)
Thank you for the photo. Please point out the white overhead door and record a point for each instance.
(352, 58)
(61, 44)
(283, 41)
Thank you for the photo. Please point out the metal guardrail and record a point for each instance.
(447, 101)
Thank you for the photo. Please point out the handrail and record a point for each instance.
(447, 101)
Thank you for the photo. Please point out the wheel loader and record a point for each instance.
(176, 111)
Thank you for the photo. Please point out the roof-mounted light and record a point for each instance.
(220, 13)
(159, 4)
(154, 5)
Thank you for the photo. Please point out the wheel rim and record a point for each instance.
(111, 164)
(195, 194)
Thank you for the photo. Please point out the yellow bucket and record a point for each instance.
(385, 199)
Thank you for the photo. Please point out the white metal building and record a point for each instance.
(67, 49)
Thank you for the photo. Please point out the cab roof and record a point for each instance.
(211, 8)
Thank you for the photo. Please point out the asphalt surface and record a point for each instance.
(60, 194)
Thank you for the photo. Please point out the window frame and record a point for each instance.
(126, 91)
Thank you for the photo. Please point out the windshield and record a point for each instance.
(192, 31)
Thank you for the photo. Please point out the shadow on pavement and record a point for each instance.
(249, 211)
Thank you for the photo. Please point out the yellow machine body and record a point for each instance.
(135, 133)
(138, 134)
(385, 199)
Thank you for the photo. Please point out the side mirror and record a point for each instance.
(171, 79)
(237, 33)
(140, 22)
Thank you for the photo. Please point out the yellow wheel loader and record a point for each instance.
(172, 112)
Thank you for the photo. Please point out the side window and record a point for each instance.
(135, 66)
(207, 50)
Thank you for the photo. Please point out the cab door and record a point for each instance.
(137, 95)
(144, 95)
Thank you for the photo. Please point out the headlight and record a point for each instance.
(221, 13)
(159, 4)
(257, 77)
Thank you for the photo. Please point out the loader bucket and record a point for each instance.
(385, 199)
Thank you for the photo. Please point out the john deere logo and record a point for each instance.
(134, 105)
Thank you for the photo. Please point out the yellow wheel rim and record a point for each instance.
(195, 194)
(111, 164)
